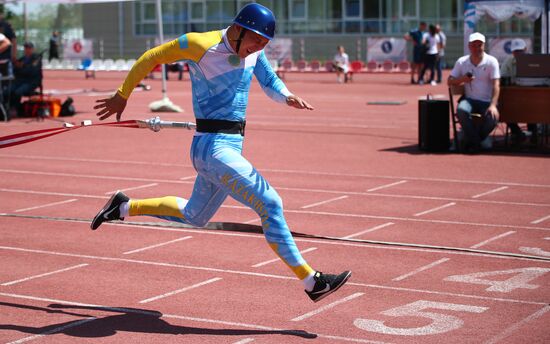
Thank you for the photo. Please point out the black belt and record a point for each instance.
(220, 126)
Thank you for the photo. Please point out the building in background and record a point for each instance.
(314, 27)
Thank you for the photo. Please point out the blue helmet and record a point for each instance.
(258, 19)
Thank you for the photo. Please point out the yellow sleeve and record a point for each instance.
(191, 46)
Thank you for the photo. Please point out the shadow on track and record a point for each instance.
(127, 320)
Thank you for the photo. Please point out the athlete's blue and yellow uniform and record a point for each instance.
(220, 85)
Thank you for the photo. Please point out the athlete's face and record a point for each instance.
(251, 43)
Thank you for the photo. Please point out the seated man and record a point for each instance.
(341, 64)
(28, 76)
(508, 73)
(477, 111)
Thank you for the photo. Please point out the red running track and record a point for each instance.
(347, 169)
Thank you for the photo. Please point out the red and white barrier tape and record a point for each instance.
(29, 136)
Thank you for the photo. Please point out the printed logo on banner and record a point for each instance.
(78, 49)
(387, 47)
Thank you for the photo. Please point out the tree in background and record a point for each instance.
(43, 19)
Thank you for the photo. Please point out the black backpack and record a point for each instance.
(67, 108)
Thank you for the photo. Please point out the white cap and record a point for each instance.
(476, 36)
(518, 44)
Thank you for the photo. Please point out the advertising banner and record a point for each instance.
(386, 48)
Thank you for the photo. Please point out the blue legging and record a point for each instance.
(223, 171)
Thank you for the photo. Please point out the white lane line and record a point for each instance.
(54, 330)
(536, 222)
(425, 267)
(257, 219)
(212, 280)
(435, 209)
(492, 239)
(315, 173)
(46, 205)
(518, 325)
(324, 202)
(188, 177)
(368, 230)
(96, 176)
(187, 318)
(158, 245)
(386, 186)
(367, 194)
(43, 275)
(244, 341)
(326, 307)
(32, 192)
(536, 251)
(256, 274)
(490, 192)
(278, 259)
(133, 188)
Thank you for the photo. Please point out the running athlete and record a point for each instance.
(221, 64)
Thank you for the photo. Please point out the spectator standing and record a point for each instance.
(341, 64)
(440, 63)
(53, 52)
(508, 74)
(477, 111)
(416, 36)
(7, 30)
(433, 43)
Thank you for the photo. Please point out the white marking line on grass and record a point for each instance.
(212, 280)
(517, 325)
(425, 267)
(54, 330)
(386, 186)
(326, 307)
(244, 341)
(492, 239)
(133, 188)
(435, 209)
(157, 245)
(368, 230)
(324, 202)
(490, 192)
(46, 205)
(187, 318)
(536, 222)
(277, 259)
(43, 275)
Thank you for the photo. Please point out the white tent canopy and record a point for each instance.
(501, 10)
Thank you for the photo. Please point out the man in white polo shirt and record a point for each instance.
(477, 111)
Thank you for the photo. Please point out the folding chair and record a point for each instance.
(458, 91)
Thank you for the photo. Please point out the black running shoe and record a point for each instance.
(326, 284)
(110, 211)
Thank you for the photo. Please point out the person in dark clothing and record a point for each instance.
(53, 52)
(7, 30)
(416, 36)
(28, 75)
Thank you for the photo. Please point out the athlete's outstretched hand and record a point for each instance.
(109, 106)
(298, 102)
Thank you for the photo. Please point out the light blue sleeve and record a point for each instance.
(268, 79)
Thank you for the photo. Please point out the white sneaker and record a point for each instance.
(433, 83)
